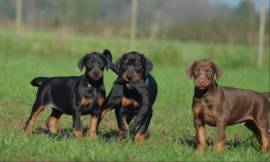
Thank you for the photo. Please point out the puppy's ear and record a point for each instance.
(117, 66)
(218, 71)
(190, 68)
(81, 63)
(148, 66)
(108, 58)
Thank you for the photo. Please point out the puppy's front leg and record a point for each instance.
(200, 134)
(122, 124)
(145, 106)
(77, 126)
(219, 142)
(93, 125)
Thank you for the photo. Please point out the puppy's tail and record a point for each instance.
(38, 81)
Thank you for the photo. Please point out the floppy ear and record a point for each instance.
(148, 66)
(108, 58)
(82, 62)
(218, 71)
(116, 67)
(190, 68)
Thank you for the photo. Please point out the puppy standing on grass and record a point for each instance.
(222, 106)
(76, 95)
(133, 95)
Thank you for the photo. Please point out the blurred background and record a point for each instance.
(230, 22)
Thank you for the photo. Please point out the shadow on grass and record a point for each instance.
(109, 136)
(67, 133)
(63, 133)
(233, 143)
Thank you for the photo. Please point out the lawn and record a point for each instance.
(42, 53)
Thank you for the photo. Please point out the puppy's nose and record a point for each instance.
(129, 77)
(202, 77)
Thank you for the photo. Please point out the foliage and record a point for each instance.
(185, 20)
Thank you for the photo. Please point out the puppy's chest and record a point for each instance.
(207, 108)
(130, 102)
(87, 101)
(92, 97)
(131, 99)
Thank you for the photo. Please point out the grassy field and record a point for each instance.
(171, 129)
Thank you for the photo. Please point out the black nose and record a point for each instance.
(129, 77)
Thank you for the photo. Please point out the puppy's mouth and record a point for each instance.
(95, 75)
(130, 79)
(202, 83)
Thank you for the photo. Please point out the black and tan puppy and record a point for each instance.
(222, 106)
(75, 95)
(133, 95)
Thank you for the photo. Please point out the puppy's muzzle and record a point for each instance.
(202, 82)
(95, 73)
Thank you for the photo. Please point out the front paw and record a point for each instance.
(92, 135)
(219, 146)
(200, 148)
(122, 134)
(78, 133)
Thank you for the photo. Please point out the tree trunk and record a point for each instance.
(262, 32)
(133, 25)
(18, 16)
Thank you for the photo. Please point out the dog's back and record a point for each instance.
(56, 91)
(244, 104)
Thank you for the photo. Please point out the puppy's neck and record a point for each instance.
(201, 93)
(92, 83)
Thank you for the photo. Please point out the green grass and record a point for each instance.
(171, 129)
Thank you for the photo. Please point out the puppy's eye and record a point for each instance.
(125, 62)
(101, 63)
(209, 72)
(197, 70)
(138, 66)
(89, 64)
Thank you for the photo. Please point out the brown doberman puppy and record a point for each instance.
(222, 106)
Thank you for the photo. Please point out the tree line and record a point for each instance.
(186, 20)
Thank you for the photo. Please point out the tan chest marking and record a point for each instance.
(86, 101)
(209, 113)
(101, 101)
(129, 102)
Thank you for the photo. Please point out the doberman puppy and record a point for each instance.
(133, 95)
(222, 106)
(73, 95)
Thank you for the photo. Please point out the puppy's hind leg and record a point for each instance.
(251, 125)
(36, 109)
(53, 120)
(264, 127)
